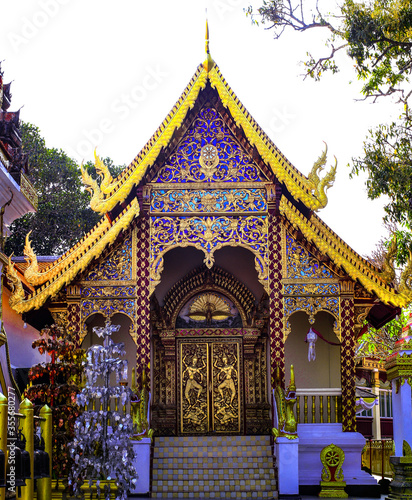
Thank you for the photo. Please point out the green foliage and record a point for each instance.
(377, 37)
(63, 214)
(381, 343)
(388, 162)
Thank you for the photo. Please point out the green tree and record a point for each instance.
(63, 214)
(381, 343)
(377, 37)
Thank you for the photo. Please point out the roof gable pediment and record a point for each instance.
(209, 153)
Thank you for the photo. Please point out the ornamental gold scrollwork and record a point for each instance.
(108, 291)
(311, 289)
(108, 308)
(208, 234)
(118, 266)
(311, 306)
(209, 152)
(208, 201)
(301, 264)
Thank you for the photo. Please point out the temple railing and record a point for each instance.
(375, 456)
(319, 406)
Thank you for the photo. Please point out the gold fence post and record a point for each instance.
(3, 436)
(313, 409)
(321, 408)
(26, 409)
(329, 409)
(44, 485)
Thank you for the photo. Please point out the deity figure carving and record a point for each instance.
(193, 371)
(227, 371)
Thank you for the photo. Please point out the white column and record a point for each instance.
(287, 461)
(402, 414)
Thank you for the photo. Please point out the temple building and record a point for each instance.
(212, 257)
(17, 197)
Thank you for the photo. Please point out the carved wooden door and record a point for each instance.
(210, 386)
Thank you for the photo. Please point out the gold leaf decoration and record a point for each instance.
(209, 306)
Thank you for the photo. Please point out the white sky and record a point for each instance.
(104, 73)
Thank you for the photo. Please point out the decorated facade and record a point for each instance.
(212, 257)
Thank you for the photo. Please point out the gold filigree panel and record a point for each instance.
(117, 266)
(210, 387)
(209, 152)
(181, 201)
(311, 306)
(301, 264)
(208, 234)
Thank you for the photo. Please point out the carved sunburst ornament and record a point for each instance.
(209, 306)
(209, 160)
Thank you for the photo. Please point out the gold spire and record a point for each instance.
(209, 62)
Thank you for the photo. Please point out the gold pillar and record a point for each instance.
(26, 423)
(3, 436)
(376, 410)
(44, 485)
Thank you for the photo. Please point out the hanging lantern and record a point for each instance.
(311, 338)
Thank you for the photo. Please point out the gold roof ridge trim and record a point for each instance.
(92, 250)
(35, 276)
(341, 253)
(120, 187)
(297, 184)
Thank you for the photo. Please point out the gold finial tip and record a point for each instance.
(209, 62)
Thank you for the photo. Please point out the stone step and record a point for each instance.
(213, 467)
(213, 452)
(213, 441)
(220, 495)
(216, 486)
(204, 462)
(213, 474)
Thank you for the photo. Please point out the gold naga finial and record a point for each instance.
(387, 273)
(93, 187)
(103, 172)
(319, 186)
(209, 62)
(31, 259)
(17, 291)
(405, 285)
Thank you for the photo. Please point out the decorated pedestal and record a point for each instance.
(313, 438)
(399, 372)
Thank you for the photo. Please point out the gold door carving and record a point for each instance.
(210, 389)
